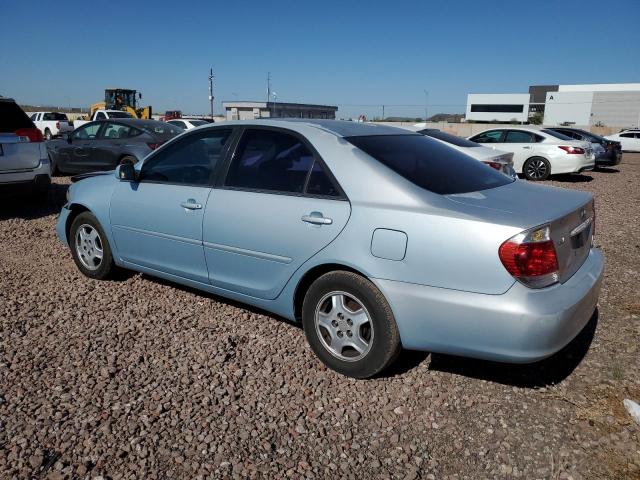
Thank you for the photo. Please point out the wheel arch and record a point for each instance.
(76, 209)
(311, 276)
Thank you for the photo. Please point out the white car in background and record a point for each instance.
(187, 124)
(501, 161)
(538, 154)
(629, 139)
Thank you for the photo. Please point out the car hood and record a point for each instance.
(82, 176)
(528, 204)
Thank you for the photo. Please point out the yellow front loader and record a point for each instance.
(122, 99)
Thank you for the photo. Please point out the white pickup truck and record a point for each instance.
(51, 124)
(103, 115)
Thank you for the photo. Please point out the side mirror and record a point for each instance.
(126, 172)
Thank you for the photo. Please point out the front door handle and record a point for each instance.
(316, 218)
(191, 205)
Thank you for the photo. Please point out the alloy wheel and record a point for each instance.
(536, 169)
(344, 326)
(89, 247)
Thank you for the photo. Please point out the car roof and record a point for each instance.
(130, 121)
(339, 128)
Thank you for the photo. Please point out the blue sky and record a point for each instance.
(357, 55)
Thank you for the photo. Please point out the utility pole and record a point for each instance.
(383, 113)
(211, 76)
(426, 106)
(268, 86)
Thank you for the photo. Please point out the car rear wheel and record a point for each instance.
(536, 169)
(349, 325)
(90, 247)
(47, 134)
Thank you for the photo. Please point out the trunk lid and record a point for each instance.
(569, 213)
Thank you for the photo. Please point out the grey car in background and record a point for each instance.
(105, 144)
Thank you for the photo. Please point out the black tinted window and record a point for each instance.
(518, 136)
(320, 183)
(269, 160)
(430, 164)
(191, 160)
(54, 116)
(161, 130)
(447, 137)
(557, 134)
(12, 117)
(492, 136)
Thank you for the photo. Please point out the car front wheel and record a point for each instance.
(90, 247)
(349, 324)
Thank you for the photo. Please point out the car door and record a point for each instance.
(630, 141)
(277, 206)
(76, 154)
(157, 220)
(108, 147)
(522, 144)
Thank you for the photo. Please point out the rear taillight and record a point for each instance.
(495, 165)
(30, 134)
(572, 150)
(531, 257)
(153, 146)
(58, 125)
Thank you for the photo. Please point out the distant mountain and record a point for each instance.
(447, 117)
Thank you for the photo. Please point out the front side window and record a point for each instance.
(430, 164)
(189, 161)
(628, 135)
(87, 132)
(518, 136)
(492, 136)
(270, 161)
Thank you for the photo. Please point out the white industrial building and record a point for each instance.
(608, 104)
(497, 107)
(251, 110)
(613, 104)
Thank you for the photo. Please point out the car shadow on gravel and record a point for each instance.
(572, 178)
(29, 208)
(547, 372)
(606, 170)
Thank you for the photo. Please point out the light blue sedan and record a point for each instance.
(373, 237)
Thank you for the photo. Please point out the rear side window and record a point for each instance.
(161, 130)
(12, 117)
(55, 116)
(270, 161)
(518, 136)
(556, 134)
(430, 164)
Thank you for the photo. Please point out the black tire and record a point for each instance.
(106, 267)
(47, 134)
(128, 159)
(536, 169)
(384, 345)
(55, 171)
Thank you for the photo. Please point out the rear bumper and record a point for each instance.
(522, 325)
(609, 158)
(18, 181)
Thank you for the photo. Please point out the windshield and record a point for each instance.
(447, 137)
(161, 130)
(561, 136)
(430, 164)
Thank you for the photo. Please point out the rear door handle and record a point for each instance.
(191, 205)
(316, 218)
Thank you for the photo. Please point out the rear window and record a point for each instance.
(119, 115)
(447, 137)
(197, 123)
(161, 130)
(559, 135)
(54, 116)
(12, 117)
(430, 164)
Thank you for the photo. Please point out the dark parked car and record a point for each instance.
(104, 144)
(612, 149)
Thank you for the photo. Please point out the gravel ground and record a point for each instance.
(139, 378)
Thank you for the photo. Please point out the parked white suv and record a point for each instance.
(24, 164)
(629, 139)
(538, 154)
(51, 124)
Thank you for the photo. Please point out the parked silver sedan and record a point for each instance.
(375, 238)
